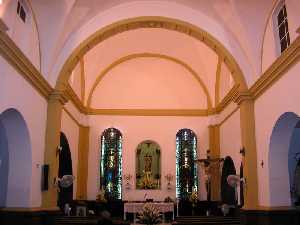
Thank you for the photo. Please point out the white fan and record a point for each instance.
(66, 181)
(234, 180)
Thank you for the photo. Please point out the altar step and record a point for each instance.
(206, 220)
(77, 220)
(65, 220)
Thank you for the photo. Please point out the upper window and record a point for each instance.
(282, 27)
(186, 168)
(21, 10)
(111, 163)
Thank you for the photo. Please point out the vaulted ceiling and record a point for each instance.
(151, 68)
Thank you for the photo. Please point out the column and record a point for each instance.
(247, 118)
(52, 141)
(214, 147)
(83, 154)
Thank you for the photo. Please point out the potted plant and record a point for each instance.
(149, 215)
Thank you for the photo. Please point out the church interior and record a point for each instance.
(149, 112)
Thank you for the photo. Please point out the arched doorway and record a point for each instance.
(283, 159)
(65, 194)
(228, 193)
(15, 160)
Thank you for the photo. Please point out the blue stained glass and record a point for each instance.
(186, 168)
(111, 163)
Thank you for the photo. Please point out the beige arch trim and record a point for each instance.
(217, 83)
(150, 22)
(82, 79)
(149, 55)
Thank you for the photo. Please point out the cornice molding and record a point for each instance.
(240, 97)
(58, 96)
(3, 27)
(227, 99)
(149, 112)
(15, 57)
(282, 64)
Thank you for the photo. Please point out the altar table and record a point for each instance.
(135, 207)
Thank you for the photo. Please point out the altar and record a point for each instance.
(135, 207)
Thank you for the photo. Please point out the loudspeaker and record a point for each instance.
(45, 174)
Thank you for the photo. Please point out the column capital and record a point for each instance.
(242, 96)
(60, 96)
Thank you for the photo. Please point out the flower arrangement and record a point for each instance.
(193, 198)
(149, 215)
(101, 196)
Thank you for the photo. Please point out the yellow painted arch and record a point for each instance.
(148, 55)
(150, 22)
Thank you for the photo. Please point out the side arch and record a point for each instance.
(279, 151)
(16, 149)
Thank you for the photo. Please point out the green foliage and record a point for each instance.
(149, 215)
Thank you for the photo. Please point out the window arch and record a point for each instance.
(186, 168)
(111, 163)
(280, 21)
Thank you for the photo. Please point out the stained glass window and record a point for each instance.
(186, 168)
(111, 163)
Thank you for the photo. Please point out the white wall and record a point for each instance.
(230, 139)
(282, 97)
(135, 130)
(25, 35)
(17, 93)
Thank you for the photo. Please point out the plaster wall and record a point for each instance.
(149, 83)
(135, 130)
(17, 93)
(282, 97)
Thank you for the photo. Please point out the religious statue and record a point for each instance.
(148, 165)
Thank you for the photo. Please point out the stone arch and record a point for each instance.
(148, 22)
(15, 149)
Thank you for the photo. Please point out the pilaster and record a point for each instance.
(247, 118)
(52, 140)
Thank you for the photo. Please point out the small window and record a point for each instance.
(21, 11)
(283, 28)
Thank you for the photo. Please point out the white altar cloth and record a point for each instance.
(135, 207)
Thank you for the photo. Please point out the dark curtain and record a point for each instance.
(227, 192)
(241, 186)
(65, 195)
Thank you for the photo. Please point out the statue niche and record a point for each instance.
(148, 165)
